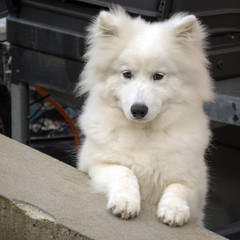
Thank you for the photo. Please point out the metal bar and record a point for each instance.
(226, 107)
(20, 112)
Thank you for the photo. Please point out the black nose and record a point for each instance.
(139, 111)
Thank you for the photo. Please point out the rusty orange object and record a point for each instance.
(62, 111)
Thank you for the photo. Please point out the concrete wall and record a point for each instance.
(42, 198)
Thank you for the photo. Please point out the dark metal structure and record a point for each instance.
(47, 44)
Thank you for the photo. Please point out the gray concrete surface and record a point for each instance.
(42, 198)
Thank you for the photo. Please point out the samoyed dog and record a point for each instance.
(146, 131)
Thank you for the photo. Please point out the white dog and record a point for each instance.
(146, 131)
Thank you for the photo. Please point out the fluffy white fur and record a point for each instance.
(159, 158)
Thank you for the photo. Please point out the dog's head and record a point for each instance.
(142, 68)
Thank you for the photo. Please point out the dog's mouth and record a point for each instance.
(141, 121)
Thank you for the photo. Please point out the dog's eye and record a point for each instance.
(127, 74)
(158, 76)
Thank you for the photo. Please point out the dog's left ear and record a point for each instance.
(188, 29)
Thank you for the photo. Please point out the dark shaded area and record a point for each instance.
(63, 149)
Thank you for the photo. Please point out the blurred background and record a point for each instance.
(41, 49)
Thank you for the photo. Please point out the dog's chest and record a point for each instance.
(145, 154)
(141, 146)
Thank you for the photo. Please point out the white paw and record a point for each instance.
(173, 211)
(124, 205)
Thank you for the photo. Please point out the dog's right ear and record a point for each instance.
(108, 23)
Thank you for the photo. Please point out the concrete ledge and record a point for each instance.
(42, 198)
(19, 220)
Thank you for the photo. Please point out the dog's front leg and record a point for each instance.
(173, 208)
(121, 187)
